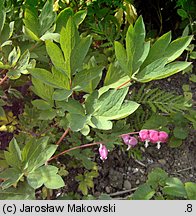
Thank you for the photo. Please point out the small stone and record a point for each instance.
(137, 182)
(107, 189)
(135, 170)
(129, 168)
(127, 184)
(191, 175)
(162, 161)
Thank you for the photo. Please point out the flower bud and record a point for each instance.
(129, 140)
(103, 152)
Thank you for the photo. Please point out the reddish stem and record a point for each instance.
(131, 133)
(4, 79)
(74, 148)
(123, 84)
(63, 136)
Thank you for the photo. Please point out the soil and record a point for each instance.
(120, 175)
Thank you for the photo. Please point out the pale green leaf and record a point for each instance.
(76, 121)
(14, 56)
(46, 175)
(84, 77)
(56, 57)
(174, 187)
(101, 123)
(46, 17)
(190, 188)
(176, 48)
(79, 17)
(158, 48)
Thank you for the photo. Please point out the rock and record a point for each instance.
(116, 179)
(127, 184)
(107, 189)
(137, 182)
(162, 161)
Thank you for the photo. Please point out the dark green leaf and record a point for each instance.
(144, 192)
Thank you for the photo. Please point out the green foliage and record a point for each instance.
(145, 65)
(66, 68)
(159, 100)
(86, 181)
(29, 162)
(159, 184)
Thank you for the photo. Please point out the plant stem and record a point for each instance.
(4, 79)
(74, 148)
(63, 136)
(131, 133)
(123, 84)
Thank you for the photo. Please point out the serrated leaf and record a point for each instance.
(190, 188)
(174, 187)
(157, 177)
(144, 192)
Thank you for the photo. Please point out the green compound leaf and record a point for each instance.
(46, 175)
